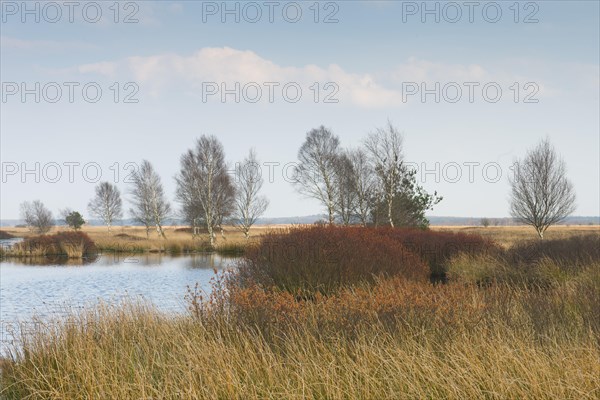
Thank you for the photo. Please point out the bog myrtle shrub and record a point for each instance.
(568, 253)
(323, 258)
(437, 248)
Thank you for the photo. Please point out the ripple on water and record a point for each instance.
(52, 290)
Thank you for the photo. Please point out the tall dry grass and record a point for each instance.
(68, 244)
(508, 236)
(178, 241)
(134, 352)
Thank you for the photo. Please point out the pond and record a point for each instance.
(29, 289)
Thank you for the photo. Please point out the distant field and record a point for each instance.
(178, 238)
(508, 235)
(504, 235)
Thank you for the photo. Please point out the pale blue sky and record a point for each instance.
(371, 54)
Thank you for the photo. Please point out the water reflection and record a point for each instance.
(8, 243)
(203, 260)
(52, 260)
(29, 287)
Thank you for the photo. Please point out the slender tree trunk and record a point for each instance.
(160, 230)
(540, 233)
(210, 234)
(390, 213)
(331, 213)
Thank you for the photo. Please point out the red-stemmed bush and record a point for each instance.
(320, 259)
(437, 248)
(567, 253)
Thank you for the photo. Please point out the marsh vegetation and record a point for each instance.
(308, 313)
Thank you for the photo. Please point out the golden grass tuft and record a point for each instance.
(135, 352)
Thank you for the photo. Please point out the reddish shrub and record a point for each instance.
(391, 303)
(568, 253)
(436, 248)
(322, 258)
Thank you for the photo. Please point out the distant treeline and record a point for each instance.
(310, 219)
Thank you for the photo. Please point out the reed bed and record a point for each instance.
(62, 244)
(178, 241)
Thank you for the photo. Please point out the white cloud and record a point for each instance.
(158, 73)
(230, 66)
(415, 70)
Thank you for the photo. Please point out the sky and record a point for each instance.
(90, 89)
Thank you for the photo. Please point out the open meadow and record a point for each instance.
(133, 239)
(509, 235)
(179, 238)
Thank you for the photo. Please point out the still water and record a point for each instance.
(46, 288)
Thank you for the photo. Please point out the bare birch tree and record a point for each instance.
(315, 173)
(225, 202)
(150, 206)
(106, 204)
(363, 185)
(345, 188)
(191, 212)
(385, 150)
(541, 194)
(249, 203)
(203, 186)
(37, 217)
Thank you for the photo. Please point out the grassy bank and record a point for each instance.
(66, 244)
(178, 241)
(517, 323)
(134, 240)
(5, 235)
(509, 235)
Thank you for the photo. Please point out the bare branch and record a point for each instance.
(541, 194)
(315, 173)
(249, 204)
(37, 217)
(150, 206)
(204, 187)
(107, 204)
(385, 150)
